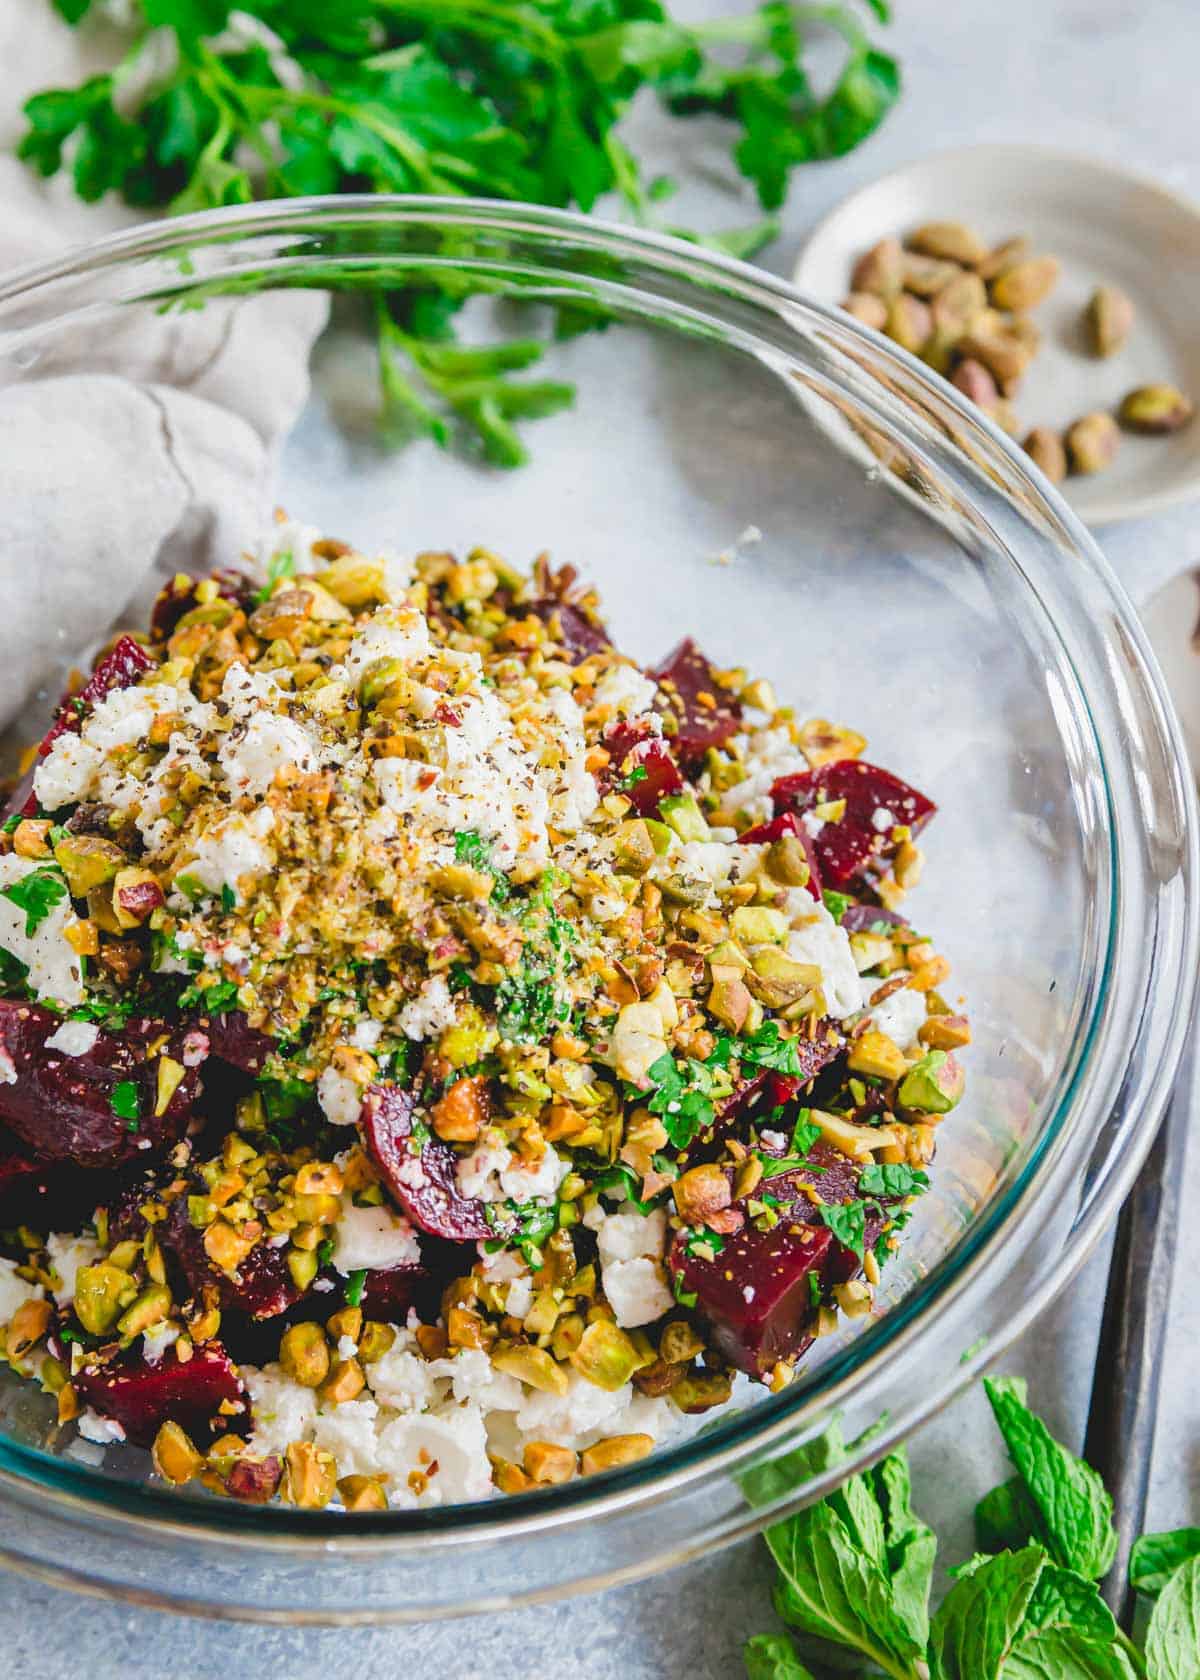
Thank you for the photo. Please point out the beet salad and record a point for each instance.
(437, 1055)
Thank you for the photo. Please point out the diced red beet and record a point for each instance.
(61, 1107)
(425, 1185)
(635, 747)
(845, 848)
(387, 1295)
(142, 1397)
(580, 635)
(179, 597)
(232, 1039)
(787, 822)
(255, 1481)
(705, 713)
(125, 663)
(861, 918)
(263, 1285)
(756, 1294)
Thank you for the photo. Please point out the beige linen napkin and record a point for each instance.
(131, 452)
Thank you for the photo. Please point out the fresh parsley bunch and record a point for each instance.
(855, 1572)
(222, 101)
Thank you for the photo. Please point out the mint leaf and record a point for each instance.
(1173, 1636)
(911, 1545)
(1156, 1557)
(1065, 1653)
(981, 1617)
(1064, 1599)
(847, 1221)
(892, 1179)
(772, 1656)
(36, 894)
(1073, 1505)
(1006, 1518)
(831, 1590)
(767, 1049)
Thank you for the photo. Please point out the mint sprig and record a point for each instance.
(854, 1574)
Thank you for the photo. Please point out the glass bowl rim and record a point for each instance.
(766, 1425)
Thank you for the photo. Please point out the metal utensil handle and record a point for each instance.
(1129, 1356)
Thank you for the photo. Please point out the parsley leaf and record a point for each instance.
(36, 894)
(215, 999)
(125, 1102)
(683, 1096)
(354, 1287)
(767, 1049)
(499, 98)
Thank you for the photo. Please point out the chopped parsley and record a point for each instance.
(36, 894)
(683, 1096)
(685, 1296)
(767, 1049)
(325, 1251)
(525, 1226)
(836, 903)
(814, 1289)
(13, 972)
(228, 897)
(355, 1287)
(703, 1244)
(216, 999)
(279, 566)
(636, 775)
(804, 1133)
(627, 1183)
(472, 849)
(125, 1102)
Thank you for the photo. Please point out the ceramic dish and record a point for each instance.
(912, 575)
(1106, 225)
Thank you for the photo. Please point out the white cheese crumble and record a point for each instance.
(54, 969)
(624, 691)
(376, 1238)
(430, 1012)
(66, 1255)
(252, 755)
(74, 1038)
(901, 1016)
(631, 1248)
(14, 1291)
(816, 938)
(340, 1098)
(492, 1173)
(393, 633)
(234, 850)
(99, 1429)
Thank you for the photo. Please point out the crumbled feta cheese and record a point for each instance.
(901, 1016)
(157, 1340)
(340, 1098)
(54, 970)
(527, 1181)
(65, 774)
(637, 1291)
(630, 1235)
(816, 938)
(99, 1429)
(773, 1140)
(348, 1432)
(882, 820)
(455, 1440)
(625, 691)
(377, 1238)
(252, 755)
(283, 1411)
(431, 1011)
(74, 1038)
(233, 851)
(401, 1379)
(519, 1298)
(67, 1254)
(393, 633)
(14, 1291)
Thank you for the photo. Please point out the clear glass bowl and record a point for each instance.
(916, 578)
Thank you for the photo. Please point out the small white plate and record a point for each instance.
(1105, 225)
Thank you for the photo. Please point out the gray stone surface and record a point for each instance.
(1113, 77)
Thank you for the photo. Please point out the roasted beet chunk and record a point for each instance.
(96, 1110)
(863, 918)
(388, 1295)
(232, 1039)
(758, 1294)
(142, 1397)
(698, 711)
(642, 767)
(875, 803)
(580, 633)
(125, 663)
(179, 597)
(262, 1285)
(424, 1183)
(787, 825)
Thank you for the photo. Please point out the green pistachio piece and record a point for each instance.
(681, 813)
(934, 1085)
